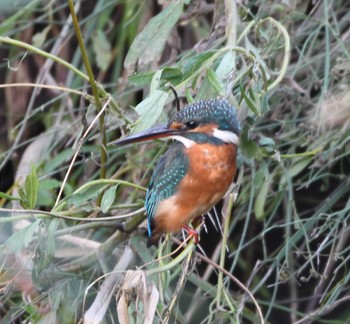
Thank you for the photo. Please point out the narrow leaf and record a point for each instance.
(149, 44)
(215, 83)
(39, 39)
(155, 80)
(50, 247)
(261, 181)
(108, 199)
(249, 102)
(150, 110)
(170, 74)
(195, 63)
(49, 184)
(23, 237)
(102, 49)
(260, 200)
(226, 66)
(295, 170)
(32, 187)
(23, 199)
(81, 197)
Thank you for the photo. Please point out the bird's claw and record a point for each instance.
(192, 232)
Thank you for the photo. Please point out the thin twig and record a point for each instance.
(180, 285)
(237, 282)
(46, 86)
(80, 144)
(33, 213)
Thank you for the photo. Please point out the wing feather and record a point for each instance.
(169, 171)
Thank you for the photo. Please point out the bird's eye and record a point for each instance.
(192, 124)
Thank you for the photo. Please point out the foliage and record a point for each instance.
(72, 216)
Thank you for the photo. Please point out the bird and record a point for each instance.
(197, 169)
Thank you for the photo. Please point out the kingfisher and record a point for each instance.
(197, 169)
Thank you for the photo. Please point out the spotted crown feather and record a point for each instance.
(219, 111)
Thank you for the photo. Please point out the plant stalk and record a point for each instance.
(95, 93)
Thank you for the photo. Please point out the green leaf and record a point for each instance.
(50, 246)
(265, 107)
(226, 66)
(108, 199)
(215, 83)
(49, 184)
(83, 196)
(31, 188)
(140, 80)
(266, 141)
(102, 49)
(47, 189)
(295, 170)
(21, 12)
(249, 102)
(258, 178)
(137, 242)
(155, 80)
(250, 149)
(22, 238)
(23, 198)
(189, 96)
(57, 160)
(173, 75)
(196, 62)
(216, 77)
(149, 44)
(39, 39)
(268, 144)
(298, 167)
(261, 182)
(149, 110)
(260, 200)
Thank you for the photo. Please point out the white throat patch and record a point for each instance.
(226, 136)
(185, 141)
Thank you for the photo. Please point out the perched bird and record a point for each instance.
(197, 169)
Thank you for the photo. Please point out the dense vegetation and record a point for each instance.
(72, 218)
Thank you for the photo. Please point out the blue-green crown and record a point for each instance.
(218, 111)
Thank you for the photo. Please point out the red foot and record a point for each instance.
(191, 232)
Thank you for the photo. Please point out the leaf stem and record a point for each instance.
(223, 249)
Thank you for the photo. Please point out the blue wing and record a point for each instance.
(169, 171)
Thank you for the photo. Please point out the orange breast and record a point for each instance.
(211, 172)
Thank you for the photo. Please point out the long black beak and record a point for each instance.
(159, 131)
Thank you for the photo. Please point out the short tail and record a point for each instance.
(154, 238)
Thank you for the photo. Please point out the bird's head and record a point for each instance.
(214, 118)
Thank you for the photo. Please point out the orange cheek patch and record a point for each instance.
(176, 125)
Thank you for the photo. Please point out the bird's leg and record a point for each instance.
(191, 232)
(198, 221)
